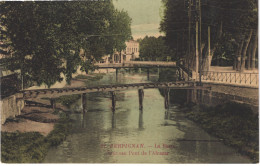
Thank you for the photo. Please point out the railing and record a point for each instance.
(230, 78)
(185, 69)
(161, 63)
(137, 64)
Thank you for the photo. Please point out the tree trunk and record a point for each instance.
(254, 51)
(235, 64)
(245, 50)
(249, 55)
(212, 51)
(239, 56)
(193, 62)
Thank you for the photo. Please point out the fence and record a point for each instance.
(236, 78)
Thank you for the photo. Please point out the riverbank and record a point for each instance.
(236, 124)
(27, 138)
(31, 147)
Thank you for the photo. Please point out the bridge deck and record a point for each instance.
(57, 92)
(137, 64)
(129, 66)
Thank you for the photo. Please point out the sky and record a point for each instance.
(146, 16)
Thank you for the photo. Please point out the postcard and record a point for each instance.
(129, 82)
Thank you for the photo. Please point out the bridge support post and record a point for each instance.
(148, 74)
(113, 121)
(179, 74)
(158, 70)
(182, 75)
(166, 98)
(140, 122)
(113, 101)
(84, 102)
(116, 73)
(53, 104)
(141, 97)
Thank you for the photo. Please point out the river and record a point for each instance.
(154, 135)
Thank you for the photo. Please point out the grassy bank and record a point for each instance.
(235, 123)
(32, 147)
(91, 77)
(68, 100)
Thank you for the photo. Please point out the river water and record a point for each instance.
(154, 135)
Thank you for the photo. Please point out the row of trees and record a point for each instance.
(46, 39)
(233, 30)
(155, 49)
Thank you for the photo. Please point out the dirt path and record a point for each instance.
(39, 118)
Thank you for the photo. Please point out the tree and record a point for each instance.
(46, 37)
(227, 20)
(154, 49)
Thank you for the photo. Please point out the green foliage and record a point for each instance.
(46, 37)
(68, 100)
(229, 21)
(225, 52)
(154, 49)
(22, 147)
(235, 123)
(32, 147)
(94, 77)
(61, 130)
(167, 75)
(81, 77)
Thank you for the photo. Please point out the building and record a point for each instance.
(129, 54)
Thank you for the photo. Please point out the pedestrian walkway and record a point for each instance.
(228, 76)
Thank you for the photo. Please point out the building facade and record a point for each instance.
(129, 54)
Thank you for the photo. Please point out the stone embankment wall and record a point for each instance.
(223, 93)
(11, 106)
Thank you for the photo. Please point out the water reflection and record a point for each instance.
(166, 117)
(113, 121)
(140, 122)
(128, 125)
(83, 120)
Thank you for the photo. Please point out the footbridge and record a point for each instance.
(57, 92)
(147, 65)
(137, 64)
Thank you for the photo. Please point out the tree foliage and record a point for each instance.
(230, 22)
(154, 49)
(47, 37)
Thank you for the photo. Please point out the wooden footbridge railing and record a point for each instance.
(137, 64)
(57, 92)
